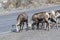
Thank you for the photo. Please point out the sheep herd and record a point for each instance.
(41, 17)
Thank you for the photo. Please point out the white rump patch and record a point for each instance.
(30, 24)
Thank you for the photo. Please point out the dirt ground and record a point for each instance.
(52, 34)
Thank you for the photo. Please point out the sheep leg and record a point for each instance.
(27, 24)
(37, 25)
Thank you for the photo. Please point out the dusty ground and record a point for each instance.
(52, 34)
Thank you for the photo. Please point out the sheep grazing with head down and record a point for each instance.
(20, 21)
(52, 17)
(57, 12)
(41, 17)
